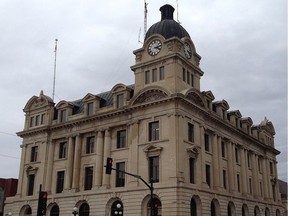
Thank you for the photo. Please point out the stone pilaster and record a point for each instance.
(107, 153)
(69, 166)
(231, 168)
(77, 163)
(50, 162)
(216, 171)
(244, 169)
(99, 159)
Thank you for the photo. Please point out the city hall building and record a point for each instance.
(202, 158)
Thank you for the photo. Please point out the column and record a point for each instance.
(132, 141)
(231, 170)
(77, 163)
(265, 176)
(99, 159)
(202, 158)
(107, 153)
(220, 174)
(215, 159)
(50, 166)
(255, 180)
(21, 170)
(244, 169)
(198, 161)
(69, 165)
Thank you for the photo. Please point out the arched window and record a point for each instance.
(267, 212)
(244, 210)
(54, 211)
(193, 207)
(117, 208)
(157, 206)
(277, 212)
(213, 209)
(28, 211)
(84, 210)
(256, 211)
(231, 209)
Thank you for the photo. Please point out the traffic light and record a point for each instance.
(42, 203)
(155, 210)
(109, 165)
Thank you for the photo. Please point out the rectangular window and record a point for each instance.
(120, 100)
(43, 116)
(32, 121)
(224, 179)
(154, 131)
(162, 73)
(207, 142)
(223, 149)
(249, 160)
(147, 77)
(190, 132)
(250, 185)
(121, 139)
(90, 107)
(37, 118)
(208, 175)
(31, 179)
(60, 182)
(192, 80)
(120, 176)
(259, 164)
(184, 74)
(236, 155)
(188, 77)
(261, 190)
(88, 178)
(154, 75)
(90, 145)
(62, 150)
(154, 169)
(238, 182)
(34, 154)
(271, 168)
(63, 116)
(192, 170)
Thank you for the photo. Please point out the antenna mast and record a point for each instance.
(145, 17)
(54, 77)
(178, 13)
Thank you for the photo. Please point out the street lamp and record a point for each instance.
(118, 210)
(75, 211)
(9, 213)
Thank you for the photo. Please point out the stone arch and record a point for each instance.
(277, 212)
(195, 206)
(245, 211)
(215, 208)
(149, 94)
(145, 205)
(25, 211)
(194, 95)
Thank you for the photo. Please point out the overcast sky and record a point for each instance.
(243, 45)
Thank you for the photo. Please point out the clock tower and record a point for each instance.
(168, 58)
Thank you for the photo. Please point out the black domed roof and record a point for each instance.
(167, 27)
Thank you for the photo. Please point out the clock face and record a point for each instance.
(187, 50)
(154, 47)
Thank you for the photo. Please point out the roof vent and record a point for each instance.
(167, 12)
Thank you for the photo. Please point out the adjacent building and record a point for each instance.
(203, 158)
(8, 188)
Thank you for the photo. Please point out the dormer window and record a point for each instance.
(63, 115)
(90, 107)
(32, 121)
(120, 100)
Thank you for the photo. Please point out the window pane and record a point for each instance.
(62, 150)
(154, 75)
(63, 116)
(120, 177)
(121, 139)
(120, 100)
(208, 178)
(154, 169)
(88, 178)
(184, 75)
(162, 73)
(60, 182)
(190, 132)
(154, 131)
(90, 145)
(34, 153)
(147, 77)
(207, 142)
(192, 170)
(90, 108)
(31, 179)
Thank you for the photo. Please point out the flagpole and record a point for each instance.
(54, 77)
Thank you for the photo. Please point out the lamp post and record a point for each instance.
(9, 213)
(75, 211)
(118, 210)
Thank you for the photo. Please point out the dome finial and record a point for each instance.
(167, 12)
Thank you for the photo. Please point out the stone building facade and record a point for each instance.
(203, 158)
